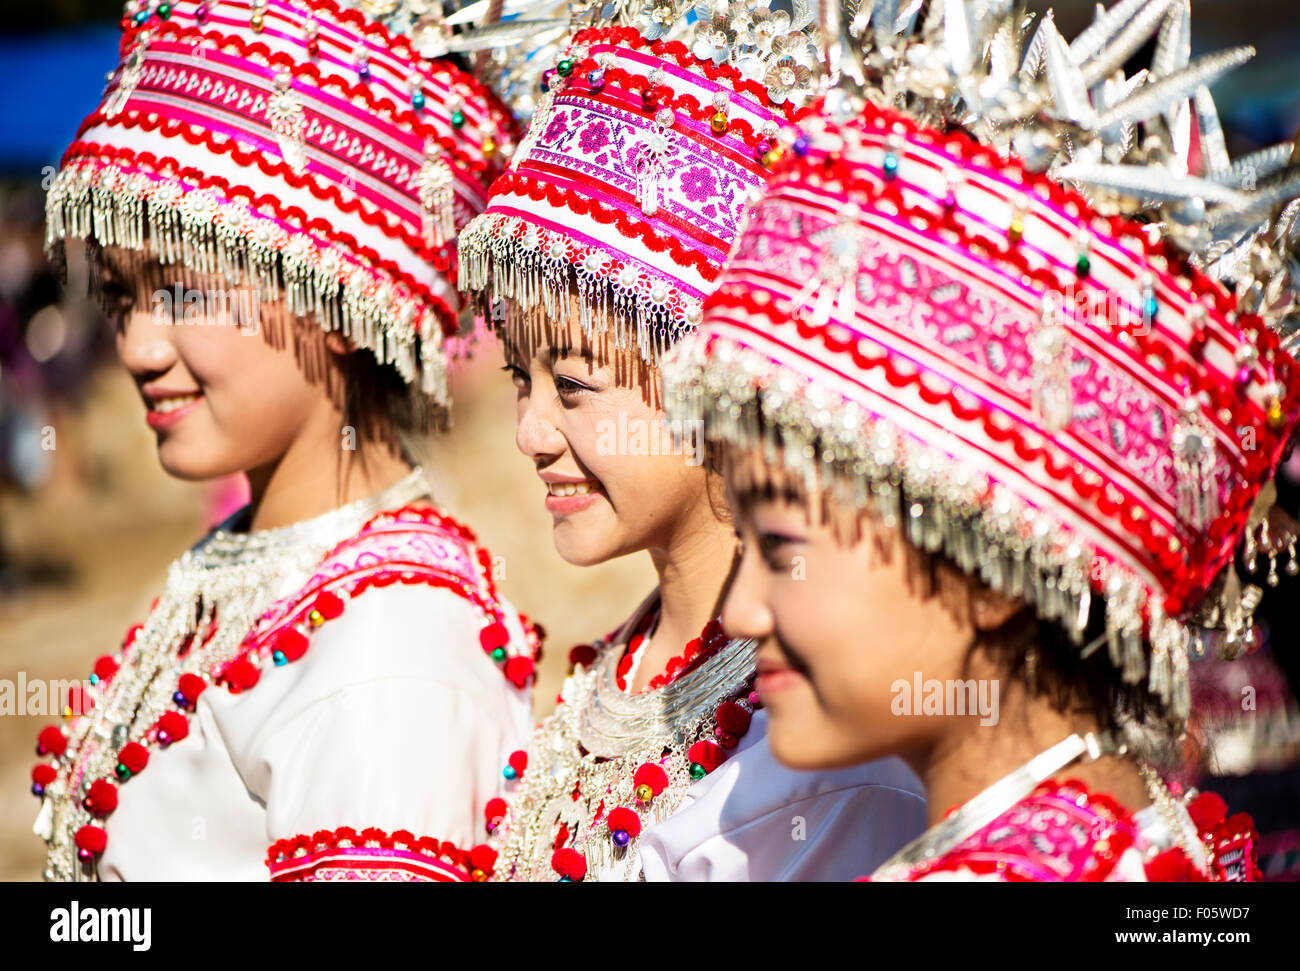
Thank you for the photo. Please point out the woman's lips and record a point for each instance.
(167, 412)
(775, 675)
(570, 497)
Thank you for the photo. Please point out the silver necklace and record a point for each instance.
(988, 805)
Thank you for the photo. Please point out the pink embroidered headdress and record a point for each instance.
(628, 187)
(299, 146)
(1060, 398)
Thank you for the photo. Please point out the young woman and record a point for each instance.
(1009, 488)
(601, 240)
(329, 680)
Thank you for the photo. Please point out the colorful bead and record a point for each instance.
(890, 166)
(489, 147)
(565, 67)
(621, 838)
(510, 773)
(1016, 231)
(315, 618)
(772, 156)
(697, 771)
(498, 654)
(1083, 265)
(256, 22)
(1274, 415)
(122, 771)
(417, 102)
(718, 122)
(278, 659)
(596, 79)
(644, 793)
(801, 145)
(164, 10)
(457, 119)
(178, 697)
(363, 70)
(201, 12)
(141, 16)
(649, 99)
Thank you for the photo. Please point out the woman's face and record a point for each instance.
(840, 623)
(614, 482)
(225, 381)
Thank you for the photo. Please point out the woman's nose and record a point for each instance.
(536, 434)
(145, 344)
(745, 612)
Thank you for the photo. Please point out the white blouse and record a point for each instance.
(394, 719)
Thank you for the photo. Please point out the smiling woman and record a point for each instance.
(342, 618)
(654, 764)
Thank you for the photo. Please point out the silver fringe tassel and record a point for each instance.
(503, 257)
(942, 505)
(196, 229)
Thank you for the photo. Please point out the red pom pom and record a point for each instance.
(52, 740)
(1171, 866)
(102, 798)
(43, 774)
(707, 753)
(105, 668)
(569, 863)
(240, 675)
(518, 761)
(494, 812)
(583, 654)
(134, 756)
(91, 838)
(174, 724)
(483, 857)
(626, 820)
(494, 635)
(518, 670)
(1207, 810)
(652, 775)
(79, 699)
(292, 643)
(330, 605)
(732, 718)
(191, 686)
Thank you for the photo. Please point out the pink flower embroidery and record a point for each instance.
(699, 184)
(594, 137)
(556, 128)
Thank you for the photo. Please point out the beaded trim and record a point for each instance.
(370, 855)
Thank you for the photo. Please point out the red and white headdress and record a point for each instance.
(629, 186)
(1050, 393)
(299, 146)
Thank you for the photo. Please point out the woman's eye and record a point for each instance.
(567, 387)
(518, 376)
(771, 546)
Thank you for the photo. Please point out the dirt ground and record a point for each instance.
(91, 550)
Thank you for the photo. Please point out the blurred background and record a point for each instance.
(89, 522)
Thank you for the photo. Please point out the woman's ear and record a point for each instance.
(991, 609)
(336, 343)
